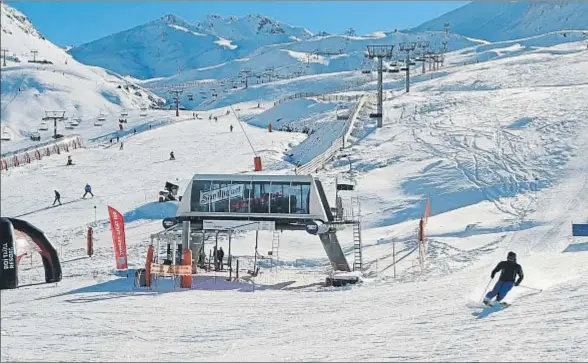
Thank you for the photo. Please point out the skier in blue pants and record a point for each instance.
(509, 271)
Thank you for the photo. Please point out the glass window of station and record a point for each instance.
(256, 197)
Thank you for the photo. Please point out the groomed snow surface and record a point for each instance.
(500, 147)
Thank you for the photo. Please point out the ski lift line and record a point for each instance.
(243, 129)
(223, 81)
(16, 95)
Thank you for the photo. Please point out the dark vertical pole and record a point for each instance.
(216, 246)
(380, 91)
(230, 257)
(255, 257)
(407, 71)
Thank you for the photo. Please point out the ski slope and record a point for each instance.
(31, 89)
(498, 145)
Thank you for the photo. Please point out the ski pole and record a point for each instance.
(486, 289)
(530, 288)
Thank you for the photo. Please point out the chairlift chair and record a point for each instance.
(342, 115)
(43, 126)
(190, 97)
(101, 118)
(143, 111)
(69, 125)
(76, 121)
(5, 135)
(35, 136)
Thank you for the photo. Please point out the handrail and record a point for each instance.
(320, 160)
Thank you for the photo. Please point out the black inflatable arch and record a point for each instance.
(9, 267)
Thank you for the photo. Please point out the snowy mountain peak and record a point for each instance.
(14, 18)
(172, 19)
(496, 21)
(173, 44)
(249, 26)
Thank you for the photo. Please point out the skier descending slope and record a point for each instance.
(509, 271)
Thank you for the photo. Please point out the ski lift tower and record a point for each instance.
(54, 116)
(245, 74)
(4, 51)
(379, 51)
(176, 92)
(407, 47)
(423, 45)
(445, 41)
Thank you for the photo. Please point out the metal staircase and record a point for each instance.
(355, 213)
(275, 248)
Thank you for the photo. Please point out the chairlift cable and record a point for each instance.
(244, 133)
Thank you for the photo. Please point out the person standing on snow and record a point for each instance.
(57, 197)
(215, 257)
(221, 255)
(87, 189)
(509, 271)
(172, 156)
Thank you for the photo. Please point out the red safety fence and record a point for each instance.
(16, 158)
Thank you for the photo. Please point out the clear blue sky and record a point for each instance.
(74, 23)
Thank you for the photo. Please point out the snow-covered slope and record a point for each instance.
(30, 89)
(220, 47)
(511, 20)
(500, 148)
(168, 45)
(345, 54)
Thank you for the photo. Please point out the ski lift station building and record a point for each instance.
(287, 202)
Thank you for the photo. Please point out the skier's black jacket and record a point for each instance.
(510, 270)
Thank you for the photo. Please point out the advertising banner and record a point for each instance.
(117, 225)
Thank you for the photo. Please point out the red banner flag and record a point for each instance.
(117, 225)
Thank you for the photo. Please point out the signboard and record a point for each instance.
(580, 230)
(315, 227)
(216, 195)
(312, 227)
(159, 269)
(235, 225)
(169, 222)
